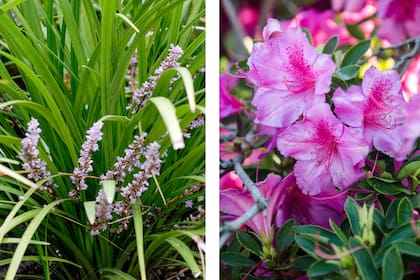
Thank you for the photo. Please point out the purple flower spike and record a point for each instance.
(94, 135)
(29, 156)
(141, 95)
(328, 153)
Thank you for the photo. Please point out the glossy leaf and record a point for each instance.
(392, 266)
(285, 235)
(390, 216)
(337, 230)
(405, 231)
(408, 169)
(235, 259)
(322, 268)
(405, 211)
(355, 31)
(330, 45)
(353, 55)
(387, 188)
(352, 211)
(249, 242)
(347, 72)
(364, 261)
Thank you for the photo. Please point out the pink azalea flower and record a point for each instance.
(231, 181)
(398, 19)
(289, 75)
(367, 11)
(285, 201)
(328, 153)
(348, 5)
(272, 134)
(248, 17)
(306, 209)
(235, 203)
(229, 105)
(410, 130)
(322, 25)
(377, 106)
(411, 79)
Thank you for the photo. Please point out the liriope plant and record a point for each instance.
(102, 138)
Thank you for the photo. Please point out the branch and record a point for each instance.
(260, 202)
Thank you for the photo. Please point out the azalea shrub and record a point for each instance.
(319, 140)
(102, 114)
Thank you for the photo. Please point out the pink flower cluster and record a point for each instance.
(329, 141)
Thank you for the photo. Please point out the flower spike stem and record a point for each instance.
(160, 191)
(260, 202)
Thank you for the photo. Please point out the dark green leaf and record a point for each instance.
(316, 232)
(235, 259)
(249, 242)
(408, 169)
(285, 235)
(337, 230)
(387, 188)
(352, 211)
(364, 196)
(392, 266)
(355, 31)
(339, 83)
(330, 45)
(364, 261)
(405, 246)
(321, 268)
(308, 35)
(405, 211)
(391, 214)
(303, 262)
(353, 55)
(379, 220)
(347, 72)
(408, 247)
(306, 245)
(402, 232)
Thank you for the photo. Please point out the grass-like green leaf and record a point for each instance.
(167, 112)
(26, 239)
(138, 227)
(186, 254)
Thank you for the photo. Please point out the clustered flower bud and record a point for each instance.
(141, 95)
(131, 159)
(103, 213)
(196, 123)
(149, 167)
(94, 135)
(31, 162)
